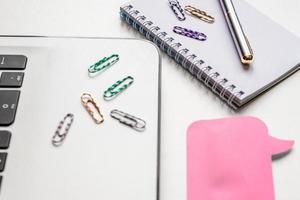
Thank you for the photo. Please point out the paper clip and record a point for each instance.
(189, 33)
(199, 13)
(103, 64)
(92, 108)
(117, 88)
(59, 136)
(177, 9)
(128, 120)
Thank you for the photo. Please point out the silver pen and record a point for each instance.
(241, 42)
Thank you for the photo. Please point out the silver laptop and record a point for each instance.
(41, 81)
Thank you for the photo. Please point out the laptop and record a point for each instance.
(42, 80)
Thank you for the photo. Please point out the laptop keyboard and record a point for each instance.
(4, 139)
(13, 62)
(11, 79)
(9, 99)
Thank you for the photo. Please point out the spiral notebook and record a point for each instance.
(215, 61)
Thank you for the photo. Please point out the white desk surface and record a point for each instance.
(183, 98)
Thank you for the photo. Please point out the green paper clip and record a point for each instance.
(103, 64)
(117, 88)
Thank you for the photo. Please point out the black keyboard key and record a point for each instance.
(11, 79)
(4, 139)
(8, 106)
(2, 161)
(13, 62)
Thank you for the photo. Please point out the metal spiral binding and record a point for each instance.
(180, 53)
(159, 36)
(203, 70)
(229, 88)
(147, 23)
(233, 96)
(221, 82)
(134, 12)
(189, 61)
(197, 63)
(174, 46)
(212, 76)
(166, 40)
(189, 58)
(139, 19)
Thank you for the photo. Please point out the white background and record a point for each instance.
(184, 100)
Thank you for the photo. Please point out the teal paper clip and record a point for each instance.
(103, 64)
(117, 88)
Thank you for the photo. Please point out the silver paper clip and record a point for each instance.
(128, 120)
(60, 133)
(177, 9)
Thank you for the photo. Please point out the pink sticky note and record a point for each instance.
(231, 159)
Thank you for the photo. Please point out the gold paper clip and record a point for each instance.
(200, 14)
(92, 108)
(129, 120)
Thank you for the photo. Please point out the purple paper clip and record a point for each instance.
(177, 10)
(189, 33)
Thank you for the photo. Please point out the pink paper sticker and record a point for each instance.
(231, 159)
